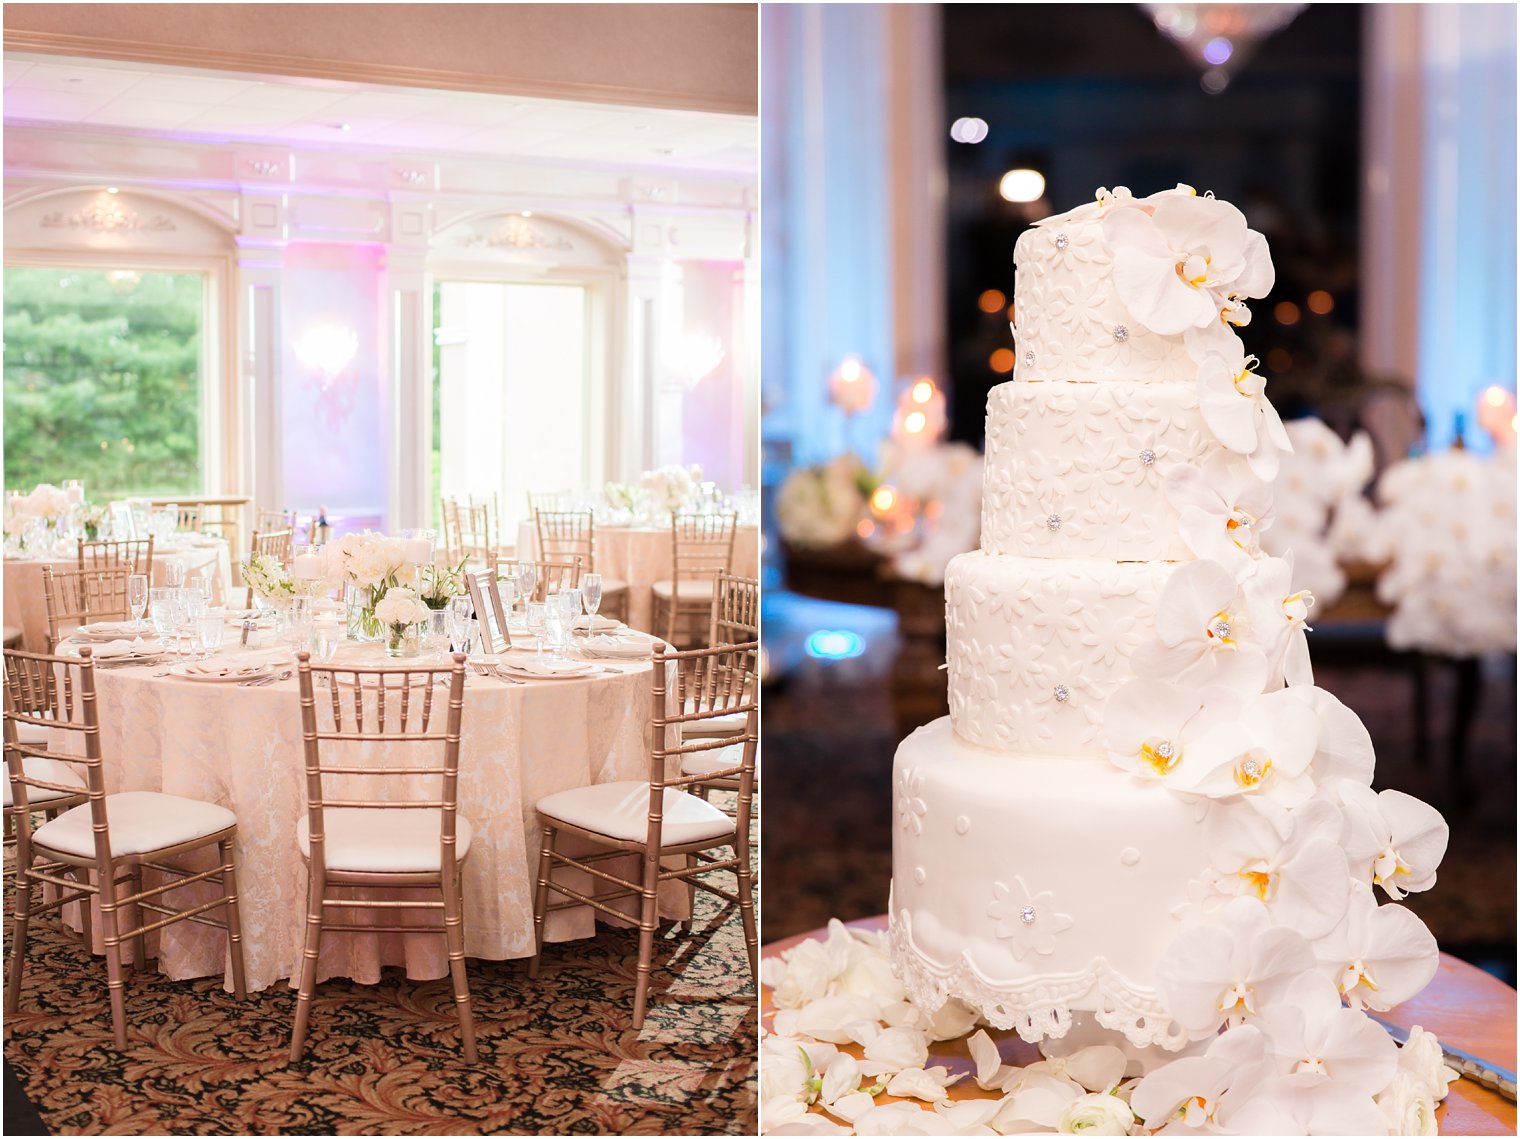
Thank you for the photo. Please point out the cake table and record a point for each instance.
(1464, 1006)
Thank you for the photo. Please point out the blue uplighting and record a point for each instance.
(835, 644)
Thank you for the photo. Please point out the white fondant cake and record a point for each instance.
(1140, 807)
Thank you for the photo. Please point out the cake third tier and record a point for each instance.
(1037, 645)
(1078, 470)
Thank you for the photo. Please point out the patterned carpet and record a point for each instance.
(557, 1055)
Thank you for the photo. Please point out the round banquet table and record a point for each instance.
(1464, 1006)
(241, 747)
(641, 556)
(26, 608)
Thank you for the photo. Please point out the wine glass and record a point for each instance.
(591, 596)
(536, 611)
(556, 626)
(174, 573)
(527, 578)
(210, 627)
(137, 600)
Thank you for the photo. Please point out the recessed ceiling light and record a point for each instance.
(111, 189)
(527, 213)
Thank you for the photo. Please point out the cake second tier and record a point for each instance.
(1037, 646)
(1034, 888)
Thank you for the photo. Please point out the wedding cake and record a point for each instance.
(1141, 818)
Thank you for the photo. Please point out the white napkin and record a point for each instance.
(627, 647)
(597, 623)
(227, 666)
(552, 667)
(106, 629)
(108, 649)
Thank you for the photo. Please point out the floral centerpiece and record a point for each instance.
(269, 580)
(821, 506)
(92, 517)
(400, 612)
(441, 584)
(623, 498)
(48, 505)
(671, 489)
(366, 566)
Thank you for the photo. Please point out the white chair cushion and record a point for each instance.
(140, 822)
(381, 840)
(718, 759)
(729, 725)
(51, 770)
(33, 735)
(692, 589)
(621, 811)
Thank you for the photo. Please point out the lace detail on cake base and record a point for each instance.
(1037, 1008)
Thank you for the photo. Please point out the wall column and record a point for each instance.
(259, 280)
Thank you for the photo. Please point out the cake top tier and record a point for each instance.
(1136, 289)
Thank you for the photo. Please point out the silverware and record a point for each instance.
(503, 676)
(1474, 1068)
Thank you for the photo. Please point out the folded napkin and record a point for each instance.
(106, 629)
(596, 623)
(108, 649)
(627, 647)
(552, 667)
(227, 666)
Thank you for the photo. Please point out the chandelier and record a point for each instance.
(1220, 37)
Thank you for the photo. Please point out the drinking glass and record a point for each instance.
(435, 635)
(192, 607)
(174, 573)
(462, 634)
(167, 614)
(137, 599)
(556, 627)
(209, 630)
(527, 578)
(591, 594)
(536, 614)
(326, 635)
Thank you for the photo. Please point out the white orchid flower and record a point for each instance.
(1299, 1105)
(1149, 724)
(1203, 632)
(1392, 840)
(1290, 861)
(1225, 971)
(1380, 956)
(1311, 1033)
(1264, 752)
(1175, 266)
(1271, 599)
(1222, 509)
(1186, 1095)
(1343, 746)
(1233, 401)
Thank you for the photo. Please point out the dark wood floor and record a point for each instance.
(829, 739)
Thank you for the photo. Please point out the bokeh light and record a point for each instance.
(1286, 313)
(1022, 185)
(968, 130)
(1214, 81)
(835, 644)
(991, 300)
(1321, 302)
(1218, 51)
(1279, 359)
(1001, 360)
(922, 391)
(883, 499)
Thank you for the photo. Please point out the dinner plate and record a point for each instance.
(547, 670)
(222, 672)
(107, 631)
(617, 648)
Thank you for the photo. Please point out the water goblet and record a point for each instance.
(536, 612)
(527, 578)
(174, 573)
(167, 614)
(210, 627)
(556, 627)
(137, 600)
(326, 635)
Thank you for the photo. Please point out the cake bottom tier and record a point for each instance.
(1033, 888)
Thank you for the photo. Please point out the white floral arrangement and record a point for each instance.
(440, 584)
(46, 501)
(845, 1033)
(821, 506)
(267, 577)
(672, 488)
(401, 607)
(622, 496)
(367, 561)
(942, 486)
(1447, 522)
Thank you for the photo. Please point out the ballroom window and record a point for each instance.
(511, 393)
(103, 375)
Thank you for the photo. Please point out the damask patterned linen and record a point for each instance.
(241, 748)
(26, 609)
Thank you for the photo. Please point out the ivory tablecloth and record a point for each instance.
(26, 609)
(519, 743)
(640, 556)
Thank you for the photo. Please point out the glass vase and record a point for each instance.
(401, 641)
(363, 625)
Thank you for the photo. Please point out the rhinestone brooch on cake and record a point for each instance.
(1147, 457)
(1053, 522)
(1062, 241)
(1029, 359)
(1063, 694)
(1026, 915)
(1121, 333)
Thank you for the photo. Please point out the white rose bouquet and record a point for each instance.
(367, 565)
(92, 517)
(268, 579)
(401, 610)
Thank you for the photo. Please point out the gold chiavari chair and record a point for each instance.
(268, 520)
(658, 818)
(453, 537)
(572, 533)
(735, 620)
(136, 553)
(487, 520)
(476, 539)
(190, 518)
(38, 694)
(278, 544)
(485, 596)
(75, 597)
(701, 547)
(564, 574)
(546, 500)
(114, 836)
(405, 842)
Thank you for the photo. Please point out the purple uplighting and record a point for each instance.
(1218, 50)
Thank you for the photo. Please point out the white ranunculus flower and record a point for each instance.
(1421, 1056)
(1264, 752)
(821, 506)
(1224, 971)
(1392, 840)
(1096, 1113)
(1379, 956)
(1272, 599)
(1203, 633)
(1409, 1106)
(1291, 861)
(1310, 1033)
(1222, 509)
(1176, 264)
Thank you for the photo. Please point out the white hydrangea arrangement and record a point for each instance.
(367, 561)
(672, 488)
(268, 578)
(1282, 945)
(1448, 525)
(821, 506)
